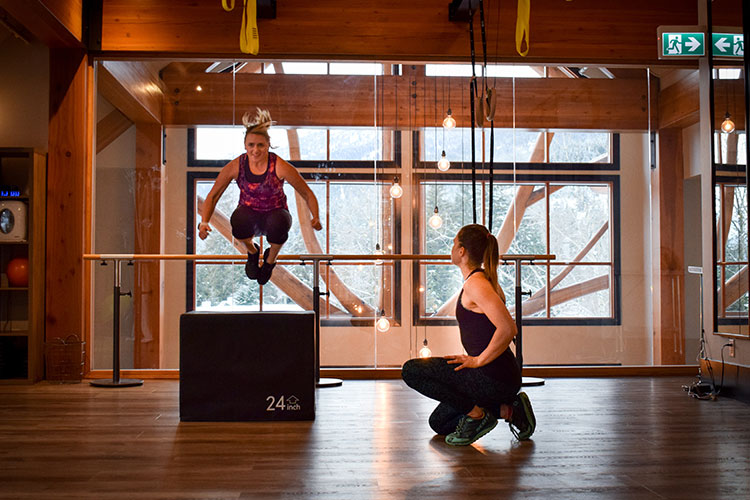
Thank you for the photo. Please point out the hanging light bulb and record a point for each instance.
(425, 352)
(727, 126)
(443, 163)
(449, 121)
(378, 251)
(396, 190)
(383, 325)
(435, 221)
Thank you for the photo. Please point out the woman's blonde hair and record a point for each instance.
(481, 247)
(258, 124)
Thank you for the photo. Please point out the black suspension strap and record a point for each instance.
(472, 94)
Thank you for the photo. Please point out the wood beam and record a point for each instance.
(110, 128)
(679, 105)
(69, 152)
(584, 31)
(56, 23)
(296, 100)
(669, 294)
(148, 303)
(134, 88)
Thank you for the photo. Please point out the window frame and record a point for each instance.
(425, 173)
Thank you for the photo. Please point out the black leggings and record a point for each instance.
(274, 224)
(457, 391)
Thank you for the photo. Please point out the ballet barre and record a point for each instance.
(315, 260)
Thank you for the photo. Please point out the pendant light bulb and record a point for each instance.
(443, 163)
(396, 190)
(383, 325)
(727, 126)
(425, 352)
(449, 121)
(435, 221)
(378, 251)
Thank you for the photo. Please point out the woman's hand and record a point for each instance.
(203, 230)
(463, 361)
(316, 223)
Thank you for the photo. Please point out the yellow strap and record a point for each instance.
(249, 40)
(522, 26)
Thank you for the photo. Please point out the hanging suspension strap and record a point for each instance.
(249, 40)
(472, 95)
(488, 105)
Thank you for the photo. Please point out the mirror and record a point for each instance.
(730, 203)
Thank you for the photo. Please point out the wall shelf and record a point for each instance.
(22, 311)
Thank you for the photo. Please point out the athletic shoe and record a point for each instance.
(251, 267)
(522, 421)
(469, 429)
(265, 271)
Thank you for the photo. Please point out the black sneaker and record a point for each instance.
(469, 429)
(522, 421)
(266, 270)
(251, 267)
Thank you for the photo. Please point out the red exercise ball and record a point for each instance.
(18, 272)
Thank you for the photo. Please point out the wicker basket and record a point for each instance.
(65, 359)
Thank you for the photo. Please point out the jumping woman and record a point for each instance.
(262, 209)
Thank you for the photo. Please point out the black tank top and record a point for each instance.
(476, 332)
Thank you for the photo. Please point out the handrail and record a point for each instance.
(305, 257)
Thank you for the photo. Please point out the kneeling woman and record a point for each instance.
(262, 210)
(477, 388)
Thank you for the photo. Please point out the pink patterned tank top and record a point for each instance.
(263, 192)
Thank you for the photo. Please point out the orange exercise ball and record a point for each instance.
(18, 272)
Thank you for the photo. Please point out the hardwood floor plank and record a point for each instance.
(639, 438)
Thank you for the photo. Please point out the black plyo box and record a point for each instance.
(247, 366)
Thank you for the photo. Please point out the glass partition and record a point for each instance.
(354, 130)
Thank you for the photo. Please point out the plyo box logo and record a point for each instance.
(283, 403)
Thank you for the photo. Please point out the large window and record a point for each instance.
(572, 216)
(357, 204)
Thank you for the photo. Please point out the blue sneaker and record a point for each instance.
(469, 429)
(522, 421)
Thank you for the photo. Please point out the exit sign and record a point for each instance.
(727, 45)
(690, 42)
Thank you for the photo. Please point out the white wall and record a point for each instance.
(24, 93)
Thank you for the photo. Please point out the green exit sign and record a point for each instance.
(683, 44)
(690, 41)
(727, 45)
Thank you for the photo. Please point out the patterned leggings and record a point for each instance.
(457, 391)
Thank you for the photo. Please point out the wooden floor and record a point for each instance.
(638, 438)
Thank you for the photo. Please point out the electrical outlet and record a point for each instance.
(731, 348)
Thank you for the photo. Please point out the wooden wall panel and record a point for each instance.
(349, 100)
(582, 31)
(679, 105)
(147, 292)
(69, 138)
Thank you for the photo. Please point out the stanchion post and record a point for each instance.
(116, 381)
(319, 382)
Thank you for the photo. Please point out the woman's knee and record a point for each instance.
(278, 224)
(414, 371)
